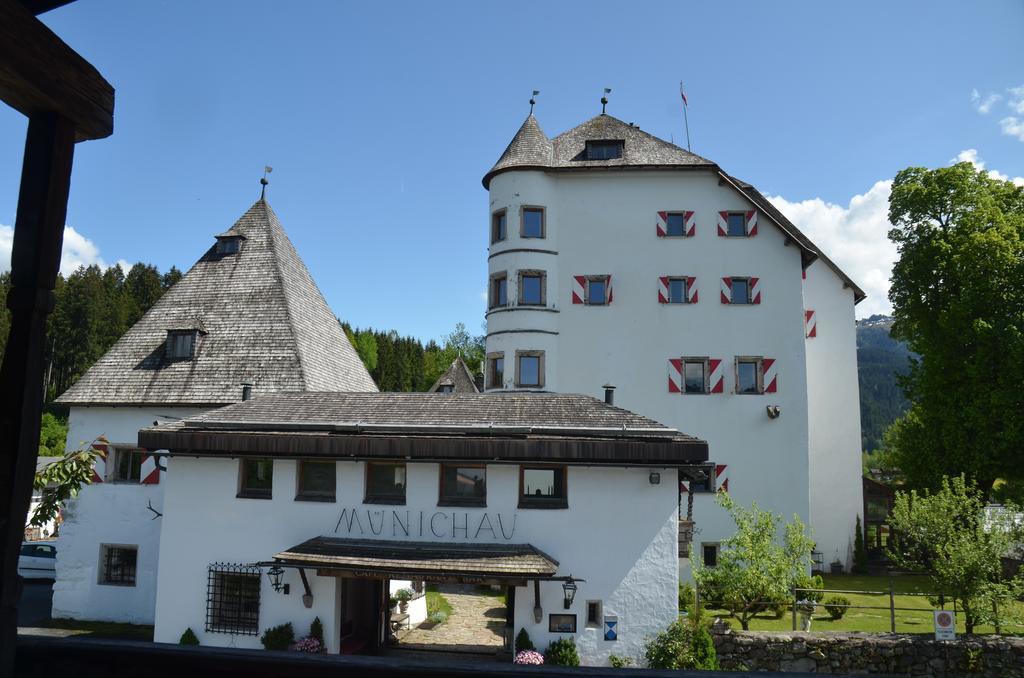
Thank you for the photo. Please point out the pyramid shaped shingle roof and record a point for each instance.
(261, 319)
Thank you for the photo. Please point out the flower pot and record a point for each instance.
(805, 620)
(836, 568)
(403, 605)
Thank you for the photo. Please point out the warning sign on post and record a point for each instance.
(945, 625)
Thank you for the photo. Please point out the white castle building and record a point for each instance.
(247, 319)
(619, 258)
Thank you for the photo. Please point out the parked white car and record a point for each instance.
(37, 560)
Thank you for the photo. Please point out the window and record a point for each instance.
(695, 375)
(594, 619)
(542, 487)
(181, 344)
(530, 369)
(677, 292)
(709, 554)
(317, 480)
(256, 479)
(233, 599)
(675, 224)
(605, 150)
(385, 483)
(597, 290)
(127, 465)
(749, 375)
(499, 226)
(117, 564)
(499, 290)
(562, 623)
(737, 224)
(532, 288)
(463, 485)
(445, 388)
(532, 222)
(496, 370)
(740, 288)
(228, 245)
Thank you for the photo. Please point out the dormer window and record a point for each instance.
(181, 344)
(228, 244)
(604, 150)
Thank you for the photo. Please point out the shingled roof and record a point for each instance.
(261, 319)
(510, 426)
(531, 149)
(458, 377)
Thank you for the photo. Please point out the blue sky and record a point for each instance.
(381, 118)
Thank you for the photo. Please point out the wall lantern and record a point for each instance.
(275, 574)
(569, 588)
(774, 411)
(654, 478)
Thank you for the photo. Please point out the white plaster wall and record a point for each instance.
(604, 223)
(417, 606)
(110, 513)
(833, 396)
(619, 534)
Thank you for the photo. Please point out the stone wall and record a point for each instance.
(891, 654)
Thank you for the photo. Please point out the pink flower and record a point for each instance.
(308, 644)
(528, 657)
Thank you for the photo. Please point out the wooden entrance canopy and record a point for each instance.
(419, 560)
(66, 100)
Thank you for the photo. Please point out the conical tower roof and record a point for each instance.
(258, 317)
(531, 149)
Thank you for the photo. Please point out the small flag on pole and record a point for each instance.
(682, 93)
(267, 169)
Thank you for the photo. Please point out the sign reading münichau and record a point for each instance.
(426, 524)
(945, 625)
(611, 628)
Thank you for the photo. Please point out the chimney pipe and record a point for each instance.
(246, 391)
(609, 394)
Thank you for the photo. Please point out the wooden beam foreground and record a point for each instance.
(39, 73)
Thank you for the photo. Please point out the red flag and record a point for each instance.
(683, 95)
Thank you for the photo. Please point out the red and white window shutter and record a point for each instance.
(716, 378)
(579, 288)
(99, 469)
(663, 288)
(726, 290)
(675, 375)
(755, 290)
(770, 375)
(721, 478)
(689, 224)
(150, 474)
(723, 223)
(810, 324)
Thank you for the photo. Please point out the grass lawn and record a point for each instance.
(437, 602)
(101, 629)
(499, 595)
(918, 619)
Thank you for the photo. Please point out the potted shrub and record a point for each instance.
(403, 596)
(836, 567)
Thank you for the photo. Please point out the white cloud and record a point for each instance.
(1016, 100)
(77, 251)
(971, 156)
(855, 237)
(1013, 127)
(984, 104)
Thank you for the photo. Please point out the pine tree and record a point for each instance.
(860, 554)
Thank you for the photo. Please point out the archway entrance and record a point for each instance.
(472, 621)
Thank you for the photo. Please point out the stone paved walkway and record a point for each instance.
(477, 624)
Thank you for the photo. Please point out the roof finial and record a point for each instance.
(604, 99)
(533, 100)
(267, 169)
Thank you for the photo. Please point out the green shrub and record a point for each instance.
(834, 606)
(618, 662)
(711, 590)
(562, 652)
(860, 554)
(438, 616)
(188, 638)
(686, 596)
(279, 637)
(316, 630)
(703, 647)
(523, 641)
(813, 582)
(777, 610)
(672, 648)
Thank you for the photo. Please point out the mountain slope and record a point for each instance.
(880, 358)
